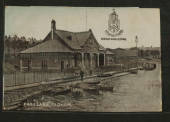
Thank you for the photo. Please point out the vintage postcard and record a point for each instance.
(89, 59)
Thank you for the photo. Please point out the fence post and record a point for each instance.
(41, 76)
(15, 78)
(33, 77)
(24, 78)
(47, 76)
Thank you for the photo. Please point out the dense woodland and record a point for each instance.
(15, 44)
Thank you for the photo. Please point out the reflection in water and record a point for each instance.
(133, 92)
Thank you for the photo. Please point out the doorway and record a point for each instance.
(62, 66)
(75, 60)
(101, 59)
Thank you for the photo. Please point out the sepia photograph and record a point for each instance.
(84, 59)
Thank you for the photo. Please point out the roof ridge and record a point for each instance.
(82, 32)
(64, 31)
(72, 32)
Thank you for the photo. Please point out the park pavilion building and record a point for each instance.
(62, 50)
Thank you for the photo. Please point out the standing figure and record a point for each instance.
(81, 75)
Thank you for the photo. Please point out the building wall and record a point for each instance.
(54, 62)
(110, 60)
(49, 61)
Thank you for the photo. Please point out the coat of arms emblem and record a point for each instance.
(114, 25)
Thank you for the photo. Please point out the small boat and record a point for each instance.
(57, 91)
(149, 66)
(93, 82)
(93, 90)
(104, 75)
(106, 88)
(134, 71)
(76, 92)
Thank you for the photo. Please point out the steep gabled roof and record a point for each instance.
(82, 37)
(73, 40)
(69, 38)
(47, 46)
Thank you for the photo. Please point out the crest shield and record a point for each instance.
(114, 25)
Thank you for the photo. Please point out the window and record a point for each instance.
(44, 64)
(69, 37)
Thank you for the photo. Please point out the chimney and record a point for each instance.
(90, 30)
(53, 28)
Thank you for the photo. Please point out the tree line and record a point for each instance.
(14, 44)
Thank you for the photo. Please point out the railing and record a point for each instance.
(24, 78)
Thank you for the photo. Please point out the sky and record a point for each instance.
(35, 21)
